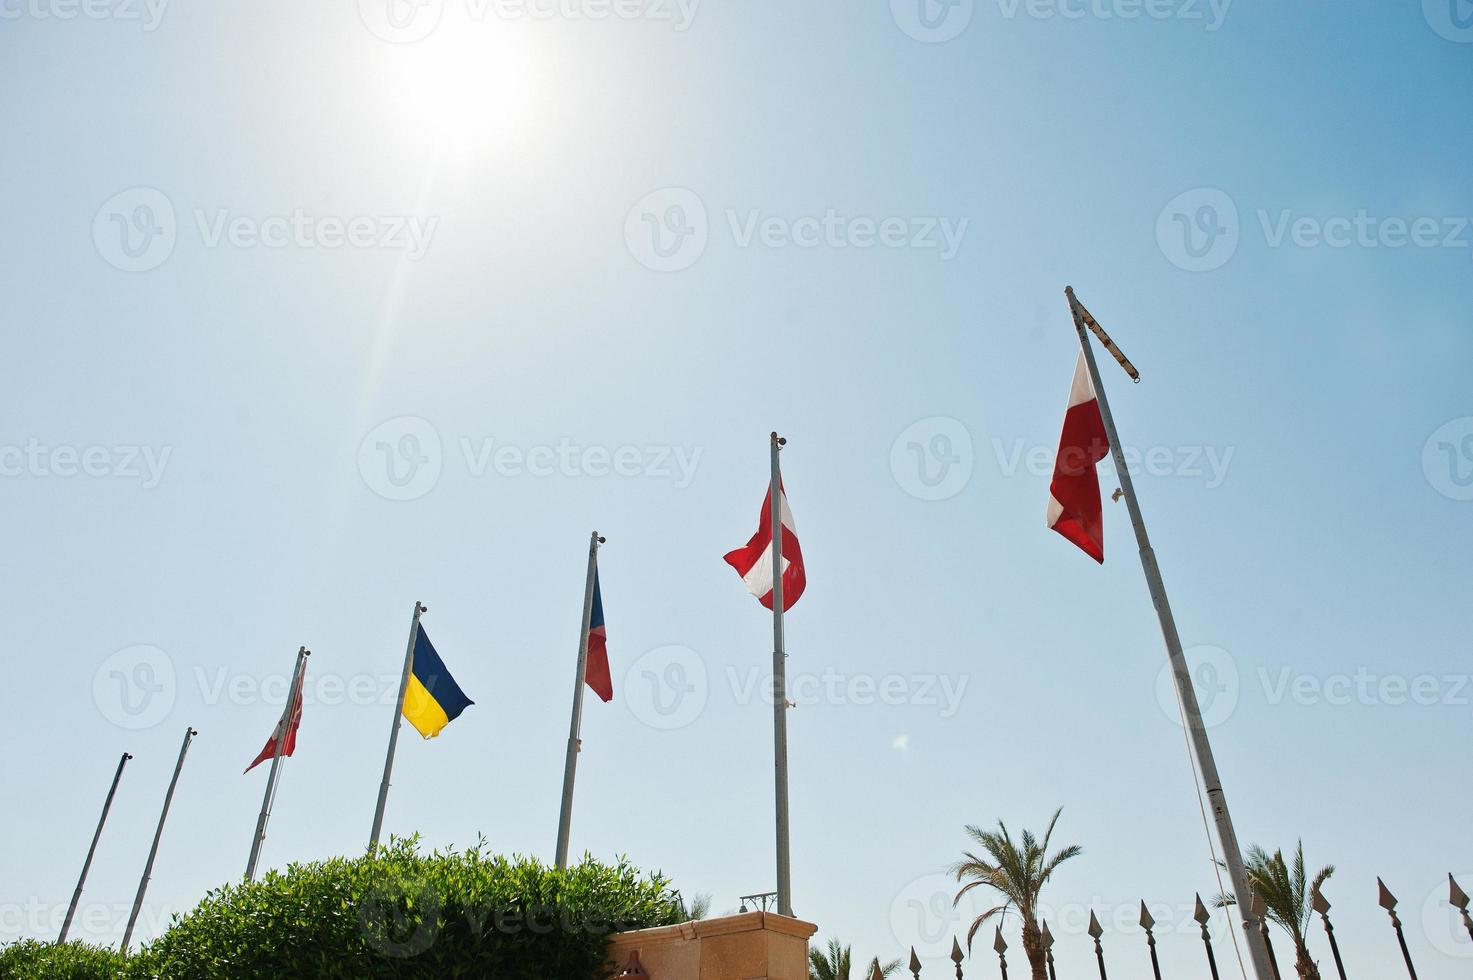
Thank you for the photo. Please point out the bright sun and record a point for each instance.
(464, 89)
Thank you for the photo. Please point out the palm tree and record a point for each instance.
(697, 908)
(834, 963)
(1286, 891)
(1017, 871)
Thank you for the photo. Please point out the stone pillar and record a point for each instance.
(752, 946)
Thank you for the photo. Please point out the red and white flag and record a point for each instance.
(1074, 508)
(754, 562)
(286, 727)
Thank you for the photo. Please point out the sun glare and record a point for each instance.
(466, 89)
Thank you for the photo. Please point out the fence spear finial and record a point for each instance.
(1048, 951)
(1095, 932)
(1148, 923)
(1258, 908)
(956, 956)
(915, 964)
(1459, 898)
(1203, 917)
(1321, 904)
(1000, 945)
(1388, 902)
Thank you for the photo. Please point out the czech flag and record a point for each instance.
(1074, 508)
(596, 670)
(754, 562)
(433, 699)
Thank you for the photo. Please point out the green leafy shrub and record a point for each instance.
(399, 914)
(30, 960)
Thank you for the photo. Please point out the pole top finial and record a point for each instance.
(1318, 901)
(127, 755)
(1095, 930)
(1147, 922)
(956, 951)
(1256, 905)
(915, 961)
(1200, 913)
(1048, 937)
(1386, 900)
(999, 944)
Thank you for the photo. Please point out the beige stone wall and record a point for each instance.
(753, 946)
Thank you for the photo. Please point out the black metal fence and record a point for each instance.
(1456, 897)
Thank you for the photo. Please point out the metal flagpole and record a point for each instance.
(189, 734)
(107, 804)
(575, 731)
(780, 690)
(383, 790)
(1201, 747)
(281, 730)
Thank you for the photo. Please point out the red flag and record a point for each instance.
(290, 720)
(596, 670)
(1074, 508)
(754, 562)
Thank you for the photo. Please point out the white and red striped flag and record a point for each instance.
(754, 562)
(286, 728)
(1074, 508)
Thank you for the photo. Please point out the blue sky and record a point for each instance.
(352, 250)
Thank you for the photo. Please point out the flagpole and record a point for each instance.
(189, 734)
(780, 691)
(575, 731)
(1201, 746)
(281, 730)
(383, 790)
(107, 804)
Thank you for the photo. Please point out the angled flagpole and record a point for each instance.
(1201, 747)
(575, 732)
(281, 729)
(383, 789)
(153, 852)
(107, 805)
(780, 691)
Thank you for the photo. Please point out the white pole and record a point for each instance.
(1201, 747)
(575, 732)
(383, 790)
(158, 834)
(107, 805)
(281, 730)
(780, 692)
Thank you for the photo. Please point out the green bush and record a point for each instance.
(401, 915)
(397, 914)
(30, 960)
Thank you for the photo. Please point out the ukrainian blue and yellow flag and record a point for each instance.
(433, 699)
